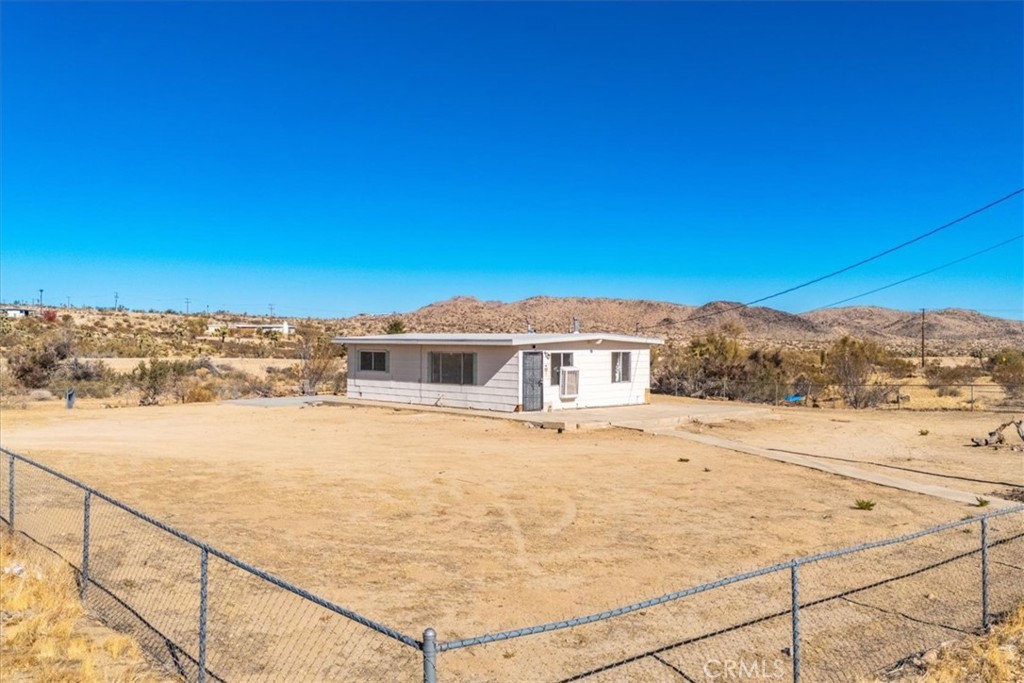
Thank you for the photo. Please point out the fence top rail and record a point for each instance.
(907, 537)
(676, 595)
(608, 614)
(255, 571)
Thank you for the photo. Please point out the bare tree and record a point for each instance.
(318, 360)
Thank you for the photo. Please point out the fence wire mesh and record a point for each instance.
(259, 632)
(146, 582)
(48, 514)
(143, 578)
(895, 395)
(863, 612)
(1005, 563)
(844, 615)
(692, 637)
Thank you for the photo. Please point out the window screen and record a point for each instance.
(452, 368)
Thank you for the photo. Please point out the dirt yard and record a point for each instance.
(927, 447)
(473, 525)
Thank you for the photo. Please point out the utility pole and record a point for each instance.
(69, 302)
(187, 302)
(40, 298)
(271, 310)
(115, 301)
(922, 337)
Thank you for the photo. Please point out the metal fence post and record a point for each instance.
(10, 491)
(984, 573)
(430, 656)
(204, 560)
(85, 543)
(794, 580)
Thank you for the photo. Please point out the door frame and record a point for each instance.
(540, 379)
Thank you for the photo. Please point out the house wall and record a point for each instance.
(497, 372)
(16, 312)
(596, 388)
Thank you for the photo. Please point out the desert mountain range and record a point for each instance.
(950, 331)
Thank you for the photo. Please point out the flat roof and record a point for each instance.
(494, 339)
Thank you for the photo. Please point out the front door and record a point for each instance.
(533, 380)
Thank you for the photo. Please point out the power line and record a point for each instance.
(862, 262)
(927, 272)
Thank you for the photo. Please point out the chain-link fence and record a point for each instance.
(894, 395)
(198, 611)
(837, 616)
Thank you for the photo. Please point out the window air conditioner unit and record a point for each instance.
(569, 383)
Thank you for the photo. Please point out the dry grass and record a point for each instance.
(996, 657)
(45, 634)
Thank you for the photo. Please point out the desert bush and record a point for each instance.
(850, 364)
(939, 377)
(163, 376)
(92, 379)
(1007, 369)
(36, 367)
(894, 366)
(864, 504)
(719, 365)
(198, 392)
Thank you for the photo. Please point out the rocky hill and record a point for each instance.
(948, 331)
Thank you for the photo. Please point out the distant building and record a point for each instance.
(502, 372)
(15, 312)
(283, 327)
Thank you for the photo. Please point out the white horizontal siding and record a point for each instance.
(497, 374)
(596, 388)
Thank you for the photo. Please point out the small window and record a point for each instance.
(374, 361)
(620, 366)
(452, 368)
(559, 361)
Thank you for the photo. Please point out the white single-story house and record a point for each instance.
(503, 372)
(16, 312)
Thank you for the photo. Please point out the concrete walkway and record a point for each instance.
(841, 469)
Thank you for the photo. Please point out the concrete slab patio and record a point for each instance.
(662, 413)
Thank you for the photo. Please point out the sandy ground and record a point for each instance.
(941, 455)
(473, 525)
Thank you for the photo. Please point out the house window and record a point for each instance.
(375, 361)
(559, 361)
(452, 368)
(570, 383)
(620, 366)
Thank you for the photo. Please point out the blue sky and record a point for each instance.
(336, 158)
